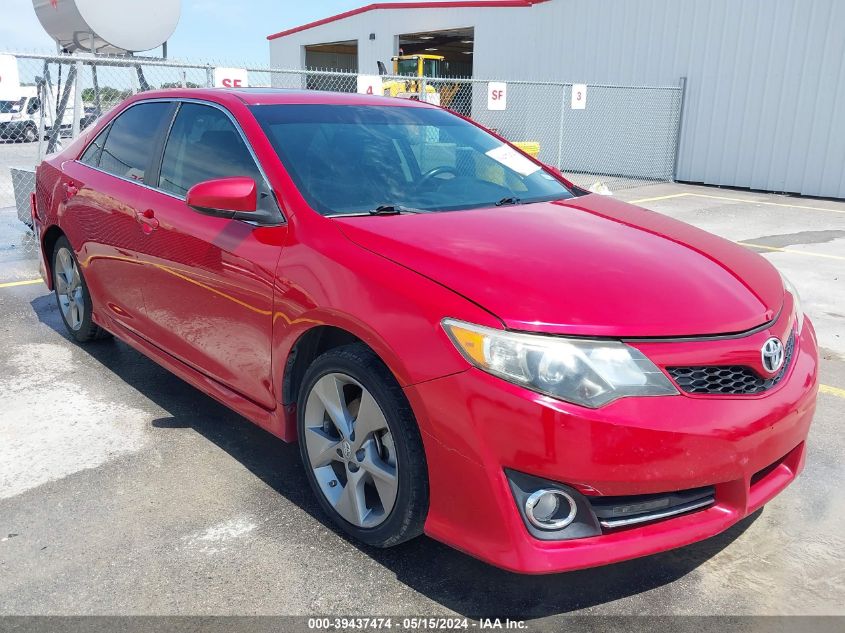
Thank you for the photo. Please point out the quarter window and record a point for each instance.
(130, 143)
(203, 145)
(91, 156)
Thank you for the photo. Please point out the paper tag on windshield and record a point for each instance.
(512, 159)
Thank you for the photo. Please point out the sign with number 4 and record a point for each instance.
(579, 96)
(370, 85)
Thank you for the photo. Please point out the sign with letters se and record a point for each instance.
(231, 78)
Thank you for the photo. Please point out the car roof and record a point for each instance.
(272, 96)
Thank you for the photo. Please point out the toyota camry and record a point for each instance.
(462, 342)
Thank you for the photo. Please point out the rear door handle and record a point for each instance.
(71, 189)
(148, 221)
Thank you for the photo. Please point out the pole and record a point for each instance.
(56, 128)
(42, 95)
(683, 86)
(77, 101)
(98, 108)
(560, 128)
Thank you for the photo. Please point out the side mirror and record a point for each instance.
(224, 197)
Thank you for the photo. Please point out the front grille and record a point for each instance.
(729, 379)
(614, 512)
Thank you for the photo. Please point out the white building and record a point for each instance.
(765, 98)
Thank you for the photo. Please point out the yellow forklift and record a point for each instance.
(418, 65)
(421, 65)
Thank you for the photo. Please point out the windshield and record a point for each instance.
(407, 66)
(349, 159)
(10, 106)
(431, 68)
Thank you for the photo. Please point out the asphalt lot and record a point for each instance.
(125, 491)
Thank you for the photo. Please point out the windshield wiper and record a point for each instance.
(394, 209)
(507, 201)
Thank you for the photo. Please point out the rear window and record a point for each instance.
(131, 140)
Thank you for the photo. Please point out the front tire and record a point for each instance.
(72, 295)
(361, 447)
(30, 134)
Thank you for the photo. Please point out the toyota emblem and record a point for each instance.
(772, 354)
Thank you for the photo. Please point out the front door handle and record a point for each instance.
(148, 221)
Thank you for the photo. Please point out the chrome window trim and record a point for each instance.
(179, 101)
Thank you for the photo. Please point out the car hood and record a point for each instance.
(590, 266)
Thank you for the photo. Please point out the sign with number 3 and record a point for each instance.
(579, 96)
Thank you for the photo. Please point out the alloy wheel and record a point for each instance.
(350, 450)
(69, 289)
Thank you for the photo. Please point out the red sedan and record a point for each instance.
(463, 343)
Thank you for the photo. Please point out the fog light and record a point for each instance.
(550, 509)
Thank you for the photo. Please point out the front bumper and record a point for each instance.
(475, 426)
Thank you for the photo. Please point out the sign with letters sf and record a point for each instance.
(497, 95)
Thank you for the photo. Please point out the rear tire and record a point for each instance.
(72, 295)
(361, 447)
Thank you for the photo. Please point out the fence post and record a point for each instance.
(61, 108)
(423, 86)
(42, 96)
(209, 77)
(77, 101)
(560, 128)
(683, 86)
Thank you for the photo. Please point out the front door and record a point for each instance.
(208, 290)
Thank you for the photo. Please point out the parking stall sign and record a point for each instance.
(231, 78)
(497, 95)
(369, 85)
(579, 96)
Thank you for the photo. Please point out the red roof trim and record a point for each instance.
(458, 4)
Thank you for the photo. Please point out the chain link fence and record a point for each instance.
(625, 136)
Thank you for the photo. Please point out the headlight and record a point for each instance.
(796, 300)
(586, 372)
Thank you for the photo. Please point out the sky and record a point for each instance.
(209, 30)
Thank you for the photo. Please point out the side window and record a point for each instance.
(203, 144)
(91, 156)
(131, 141)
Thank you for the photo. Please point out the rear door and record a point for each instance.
(208, 281)
(103, 210)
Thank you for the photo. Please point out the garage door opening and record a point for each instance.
(445, 55)
(339, 56)
(453, 47)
